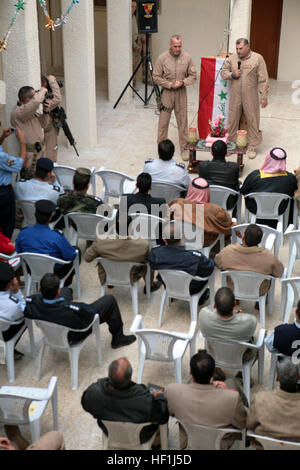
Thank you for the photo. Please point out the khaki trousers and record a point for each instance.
(51, 144)
(177, 101)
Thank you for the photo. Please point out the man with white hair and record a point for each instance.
(277, 413)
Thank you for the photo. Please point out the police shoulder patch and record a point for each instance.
(28, 299)
(56, 188)
(74, 307)
(149, 160)
(181, 165)
(58, 231)
(197, 253)
(14, 298)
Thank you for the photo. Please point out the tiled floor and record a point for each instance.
(127, 136)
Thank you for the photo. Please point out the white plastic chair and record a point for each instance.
(270, 443)
(125, 435)
(220, 194)
(162, 346)
(10, 345)
(271, 238)
(205, 437)
(26, 405)
(273, 367)
(193, 237)
(114, 183)
(228, 354)
(28, 210)
(64, 175)
(290, 294)
(118, 274)
(177, 286)
(267, 206)
(56, 337)
(294, 247)
(40, 265)
(86, 226)
(14, 260)
(145, 226)
(246, 286)
(168, 191)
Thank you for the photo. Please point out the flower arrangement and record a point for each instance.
(217, 128)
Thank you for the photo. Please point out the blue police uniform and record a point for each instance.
(8, 166)
(41, 239)
(178, 258)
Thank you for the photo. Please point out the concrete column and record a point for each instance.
(79, 72)
(119, 38)
(21, 59)
(240, 21)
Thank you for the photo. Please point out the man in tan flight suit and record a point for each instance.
(51, 131)
(26, 117)
(250, 85)
(174, 71)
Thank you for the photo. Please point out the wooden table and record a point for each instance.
(193, 162)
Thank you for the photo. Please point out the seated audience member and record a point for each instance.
(216, 220)
(117, 398)
(118, 248)
(173, 255)
(220, 172)
(166, 168)
(9, 165)
(7, 247)
(204, 401)
(219, 321)
(42, 186)
(248, 256)
(57, 306)
(285, 338)
(297, 191)
(78, 200)
(52, 440)
(276, 413)
(39, 238)
(12, 303)
(142, 198)
(272, 177)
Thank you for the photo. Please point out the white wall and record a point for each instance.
(289, 63)
(200, 22)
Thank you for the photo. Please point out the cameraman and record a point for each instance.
(51, 131)
(25, 116)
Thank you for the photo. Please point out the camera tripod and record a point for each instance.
(148, 68)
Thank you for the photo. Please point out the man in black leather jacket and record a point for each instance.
(220, 172)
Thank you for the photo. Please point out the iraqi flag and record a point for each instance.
(213, 94)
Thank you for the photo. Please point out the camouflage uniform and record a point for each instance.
(78, 202)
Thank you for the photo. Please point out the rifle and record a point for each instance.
(60, 117)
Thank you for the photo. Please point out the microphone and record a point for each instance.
(239, 65)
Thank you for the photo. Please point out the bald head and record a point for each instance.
(120, 373)
(175, 45)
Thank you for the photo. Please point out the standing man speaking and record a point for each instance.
(248, 73)
(174, 71)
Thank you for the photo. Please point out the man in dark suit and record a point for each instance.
(220, 172)
(142, 197)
